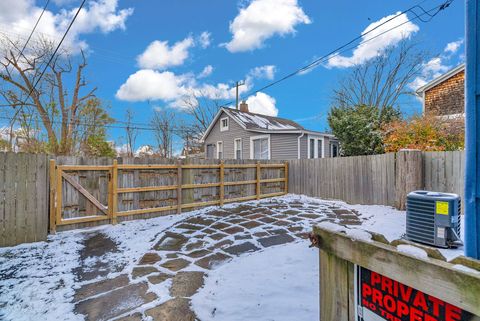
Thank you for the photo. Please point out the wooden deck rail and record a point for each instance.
(111, 210)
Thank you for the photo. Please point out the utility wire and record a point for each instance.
(55, 52)
(344, 47)
(34, 27)
(311, 65)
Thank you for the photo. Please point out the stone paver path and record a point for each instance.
(181, 257)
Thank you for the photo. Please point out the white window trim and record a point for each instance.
(218, 149)
(235, 149)
(252, 138)
(315, 152)
(224, 129)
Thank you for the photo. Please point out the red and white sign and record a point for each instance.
(379, 298)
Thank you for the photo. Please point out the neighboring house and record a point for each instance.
(239, 134)
(445, 95)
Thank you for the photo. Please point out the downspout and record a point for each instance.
(298, 145)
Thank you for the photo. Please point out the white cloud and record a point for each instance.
(368, 50)
(159, 55)
(147, 84)
(207, 71)
(267, 72)
(17, 18)
(261, 20)
(433, 68)
(453, 46)
(204, 39)
(262, 103)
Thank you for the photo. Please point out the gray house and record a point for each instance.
(239, 134)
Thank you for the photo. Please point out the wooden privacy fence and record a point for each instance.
(378, 179)
(23, 198)
(98, 194)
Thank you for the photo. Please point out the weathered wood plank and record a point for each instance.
(85, 193)
(431, 276)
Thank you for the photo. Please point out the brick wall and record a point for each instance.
(447, 98)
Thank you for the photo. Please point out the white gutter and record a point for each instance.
(298, 145)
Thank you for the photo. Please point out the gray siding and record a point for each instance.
(227, 137)
(326, 145)
(282, 146)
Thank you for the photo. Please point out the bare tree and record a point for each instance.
(163, 123)
(381, 81)
(49, 99)
(201, 110)
(131, 132)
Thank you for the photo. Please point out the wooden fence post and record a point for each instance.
(286, 177)
(336, 288)
(408, 175)
(259, 172)
(58, 195)
(222, 178)
(52, 197)
(114, 189)
(179, 186)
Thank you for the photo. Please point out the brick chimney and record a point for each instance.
(244, 106)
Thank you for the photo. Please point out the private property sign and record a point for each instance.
(379, 298)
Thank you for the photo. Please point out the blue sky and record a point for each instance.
(148, 54)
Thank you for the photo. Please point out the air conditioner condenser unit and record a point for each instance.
(434, 218)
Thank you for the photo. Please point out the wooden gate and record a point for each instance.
(61, 176)
(182, 186)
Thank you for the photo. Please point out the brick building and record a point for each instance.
(445, 95)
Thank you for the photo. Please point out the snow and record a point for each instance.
(261, 122)
(464, 268)
(44, 282)
(38, 280)
(380, 219)
(413, 251)
(279, 283)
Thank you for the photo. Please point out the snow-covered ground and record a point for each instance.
(38, 280)
(44, 281)
(275, 284)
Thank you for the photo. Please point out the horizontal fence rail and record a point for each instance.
(148, 187)
(179, 182)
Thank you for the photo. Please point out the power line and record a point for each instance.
(344, 47)
(55, 52)
(34, 27)
(311, 65)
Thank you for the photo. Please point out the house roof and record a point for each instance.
(440, 79)
(261, 123)
(253, 121)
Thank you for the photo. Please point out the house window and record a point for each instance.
(333, 150)
(220, 150)
(315, 147)
(260, 147)
(312, 148)
(210, 151)
(238, 148)
(224, 124)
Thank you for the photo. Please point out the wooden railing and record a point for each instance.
(111, 211)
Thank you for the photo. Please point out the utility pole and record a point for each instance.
(238, 84)
(472, 130)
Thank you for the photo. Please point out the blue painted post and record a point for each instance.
(472, 130)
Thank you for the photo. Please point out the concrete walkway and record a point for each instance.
(165, 278)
